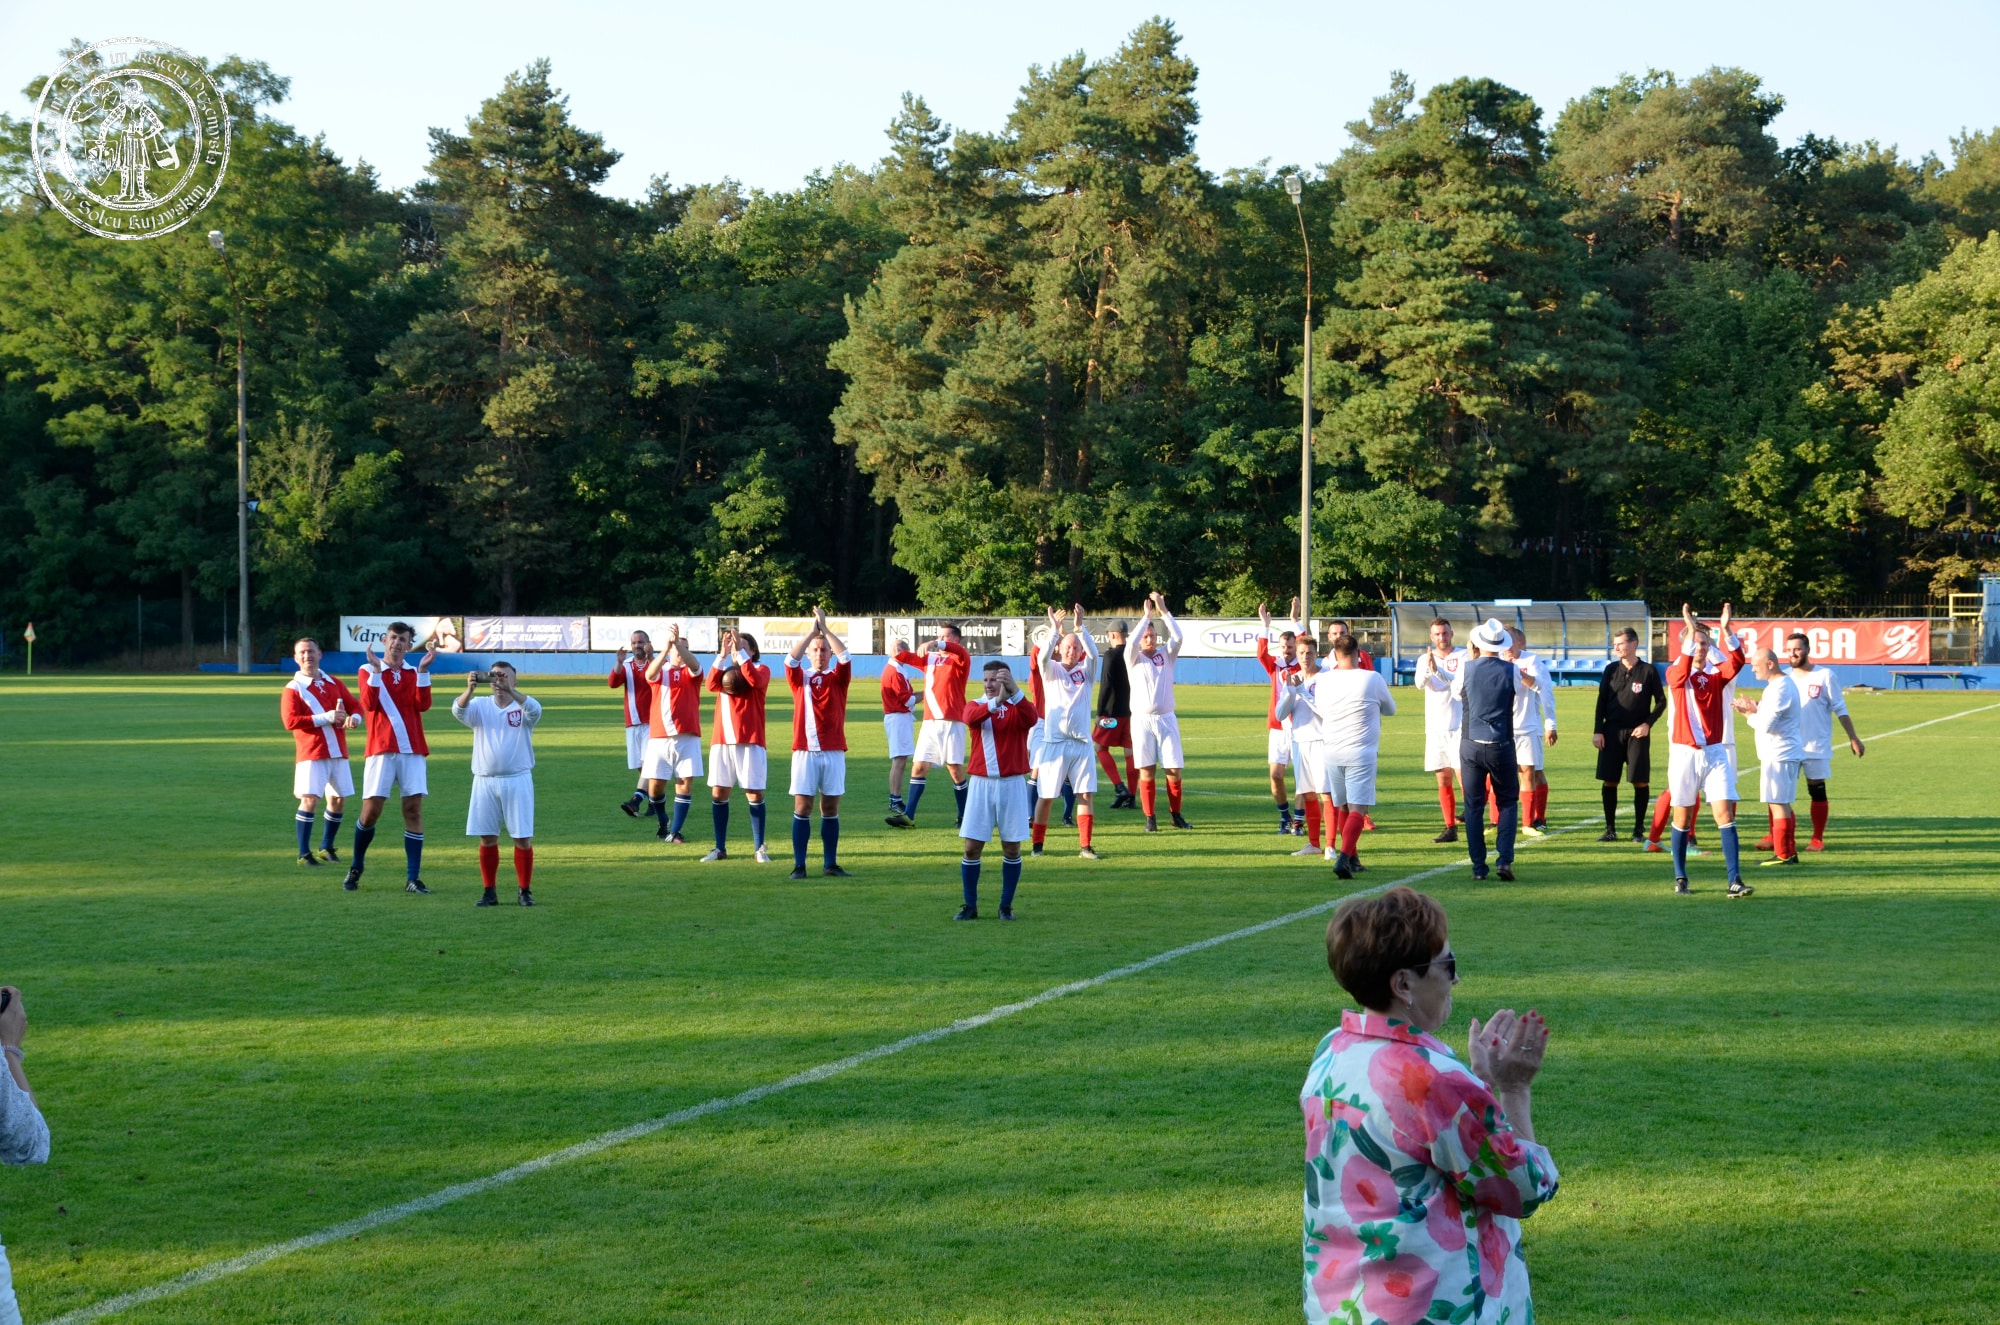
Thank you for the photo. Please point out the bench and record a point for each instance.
(1904, 679)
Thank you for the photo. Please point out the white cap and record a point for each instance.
(1492, 636)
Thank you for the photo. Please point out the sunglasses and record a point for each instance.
(1449, 961)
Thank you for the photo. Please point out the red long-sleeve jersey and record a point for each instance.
(677, 712)
(739, 719)
(1281, 675)
(946, 671)
(630, 676)
(999, 744)
(307, 711)
(897, 696)
(393, 702)
(1700, 693)
(819, 704)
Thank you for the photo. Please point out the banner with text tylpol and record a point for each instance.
(1884, 642)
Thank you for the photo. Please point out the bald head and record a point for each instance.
(1764, 663)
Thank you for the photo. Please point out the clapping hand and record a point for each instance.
(368, 652)
(1744, 704)
(1507, 1051)
(430, 655)
(1264, 614)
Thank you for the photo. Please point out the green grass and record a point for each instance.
(1777, 1110)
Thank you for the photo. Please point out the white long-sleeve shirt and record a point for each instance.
(1819, 692)
(1066, 692)
(502, 738)
(1777, 721)
(1442, 711)
(1152, 675)
(1350, 703)
(24, 1139)
(1537, 705)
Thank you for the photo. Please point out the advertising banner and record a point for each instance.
(527, 634)
(984, 636)
(608, 634)
(1885, 641)
(357, 633)
(1231, 637)
(776, 634)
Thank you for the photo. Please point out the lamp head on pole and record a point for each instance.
(1293, 185)
(215, 240)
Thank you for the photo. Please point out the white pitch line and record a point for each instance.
(390, 1214)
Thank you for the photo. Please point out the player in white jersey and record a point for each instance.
(629, 675)
(1436, 668)
(1066, 755)
(1150, 656)
(1309, 770)
(1534, 731)
(1776, 718)
(1351, 702)
(1819, 691)
(503, 776)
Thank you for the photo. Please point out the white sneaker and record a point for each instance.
(715, 853)
(1307, 850)
(763, 856)
(1331, 853)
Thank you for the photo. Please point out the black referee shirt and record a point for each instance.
(1628, 696)
(1114, 692)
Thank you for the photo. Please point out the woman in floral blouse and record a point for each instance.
(1419, 1168)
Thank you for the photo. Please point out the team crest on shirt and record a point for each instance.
(1812, 691)
(513, 717)
(818, 680)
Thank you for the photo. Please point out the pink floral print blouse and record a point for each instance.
(1415, 1184)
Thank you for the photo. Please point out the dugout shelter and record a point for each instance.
(1573, 635)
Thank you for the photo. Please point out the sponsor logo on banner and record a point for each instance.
(777, 634)
(1880, 642)
(902, 628)
(608, 634)
(358, 632)
(527, 634)
(1228, 638)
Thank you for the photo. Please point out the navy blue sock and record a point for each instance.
(757, 824)
(802, 831)
(682, 804)
(1680, 852)
(413, 853)
(302, 820)
(659, 811)
(1285, 815)
(968, 878)
(958, 790)
(1729, 855)
(363, 835)
(332, 833)
(916, 794)
(829, 839)
(720, 809)
(1069, 802)
(1010, 879)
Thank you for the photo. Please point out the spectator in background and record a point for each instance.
(1630, 699)
(24, 1134)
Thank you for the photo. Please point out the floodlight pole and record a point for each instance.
(242, 472)
(1296, 188)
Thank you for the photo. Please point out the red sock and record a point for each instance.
(1448, 802)
(1791, 830)
(1819, 820)
(1174, 795)
(1661, 809)
(1312, 820)
(1109, 765)
(1083, 829)
(1350, 833)
(1131, 770)
(1039, 832)
(1149, 797)
(1542, 805)
(489, 865)
(1335, 826)
(524, 865)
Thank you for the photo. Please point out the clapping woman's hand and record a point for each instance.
(1507, 1051)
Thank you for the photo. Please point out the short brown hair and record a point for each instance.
(1440, 621)
(1369, 939)
(1347, 646)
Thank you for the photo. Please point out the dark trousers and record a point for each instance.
(1495, 761)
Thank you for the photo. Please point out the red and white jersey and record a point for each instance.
(393, 701)
(630, 676)
(1442, 706)
(1062, 694)
(308, 713)
(1282, 674)
(739, 719)
(677, 711)
(1819, 692)
(946, 669)
(999, 731)
(1701, 714)
(897, 696)
(819, 703)
(1152, 675)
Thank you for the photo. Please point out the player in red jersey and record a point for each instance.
(740, 684)
(899, 726)
(1283, 670)
(819, 742)
(1698, 761)
(394, 699)
(999, 724)
(629, 675)
(673, 748)
(318, 712)
(941, 740)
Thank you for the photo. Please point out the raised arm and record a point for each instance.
(531, 708)
(1173, 627)
(1082, 635)
(1138, 633)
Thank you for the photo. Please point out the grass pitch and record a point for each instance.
(1773, 1110)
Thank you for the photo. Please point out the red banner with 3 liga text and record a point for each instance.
(1898, 642)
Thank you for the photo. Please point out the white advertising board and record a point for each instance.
(1232, 637)
(358, 632)
(608, 634)
(777, 634)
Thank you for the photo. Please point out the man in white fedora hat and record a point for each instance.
(1486, 688)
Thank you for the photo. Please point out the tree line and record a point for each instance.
(1644, 350)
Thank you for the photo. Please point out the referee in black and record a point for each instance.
(1630, 699)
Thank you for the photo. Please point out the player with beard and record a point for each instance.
(629, 675)
(1819, 691)
(740, 684)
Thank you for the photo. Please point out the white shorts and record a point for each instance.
(1309, 768)
(508, 801)
(901, 729)
(1352, 780)
(940, 741)
(996, 805)
(635, 745)
(1035, 735)
(1693, 772)
(1816, 770)
(1441, 752)
(1156, 739)
(1529, 751)
(745, 766)
(1071, 761)
(1278, 748)
(322, 777)
(408, 773)
(671, 758)
(1778, 781)
(821, 773)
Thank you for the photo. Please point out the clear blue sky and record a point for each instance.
(766, 92)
